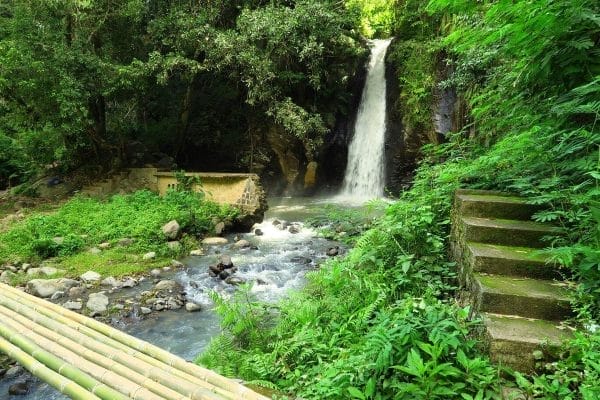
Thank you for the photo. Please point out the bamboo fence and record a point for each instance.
(79, 354)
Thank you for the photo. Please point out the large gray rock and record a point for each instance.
(6, 276)
(97, 303)
(47, 287)
(171, 229)
(167, 285)
(90, 277)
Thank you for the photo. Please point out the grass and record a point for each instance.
(83, 223)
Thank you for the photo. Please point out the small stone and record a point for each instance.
(225, 261)
(76, 292)
(258, 232)
(242, 244)
(333, 251)
(110, 281)
(215, 269)
(104, 246)
(129, 283)
(118, 307)
(173, 304)
(73, 305)
(167, 285)
(171, 229)
(6, 276)
(174, 245)
(276, 222)
(145, 310)
(125, 242)
(192, 307)
(214, 241)
(149, 256)
(57, 295)
(176, 264)
(219, 228)
(95, 251)
(91, 276)
(19, 388)
(155, 273)
(197, 252)
(166, 269)
(14, 371)
(293, 229)
(97, 303)
(159, 306)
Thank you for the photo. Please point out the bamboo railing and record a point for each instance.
(86, 359)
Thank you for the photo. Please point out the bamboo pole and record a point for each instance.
(180, 365)
(63, 368)
(110, 378)
(44, 373)
(115, 355)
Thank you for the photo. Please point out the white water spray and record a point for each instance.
(365, 174)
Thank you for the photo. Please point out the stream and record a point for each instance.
(277, 265)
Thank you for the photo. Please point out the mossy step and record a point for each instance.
(530, 298)
(510, 260)
(507, 232)
(513, 340)
(494, 206)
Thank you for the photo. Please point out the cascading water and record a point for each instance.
(364, 178)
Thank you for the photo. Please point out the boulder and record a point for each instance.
(97, 303)
(294, 229)
(242, 244)
(155, 273)
(258, 232)
(168, 286)
(171, 229)
(6, 276)
(225, 262)
(129, 283)
(110, 281)
(176, 264)
(219, 228)
(47, 287)
(214, 241)
(76, 292)
(90, 277)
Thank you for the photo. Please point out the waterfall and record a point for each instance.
(365, 175)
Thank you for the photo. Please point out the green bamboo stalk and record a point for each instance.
(118, 355)
(51, 336)
(104, 375)
(180, 365)
(60, 366)
(44, 373)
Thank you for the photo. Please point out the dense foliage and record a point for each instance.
(527, 77)
(116, 82)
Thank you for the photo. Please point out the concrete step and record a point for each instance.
(510, 260)
(529, 298)
(494, 206)
(512, 340)
(507, 232)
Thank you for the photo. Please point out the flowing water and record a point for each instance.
(278, 265)
(365, 175)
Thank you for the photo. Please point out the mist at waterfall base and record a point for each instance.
(365, 175)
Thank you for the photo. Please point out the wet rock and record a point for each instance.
(149, 256)
(95, 251)
(234, 280)
(219, 228)
(110, 281)
(174, 245)
(294, 229)
(145, 310)
(19, 389)
(192, 307)
(73, 305)
(14, 371)
(215, 269)
(225, 262)
(176, 264)
(90, 277)
(258, 232)
(171, 229)
(197, 253)
(155, 273)
(242, 244)
(261, 282)
(57, 296)
(276, 222)
(214, 241)
(301, 260)
(173, 304)
(47, 287)
(333, 251)
(97, 303)
(224, 275)
(168, 286)
(104, 246)
(125, 242)
(129, 283)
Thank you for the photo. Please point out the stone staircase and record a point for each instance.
(514, 289)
